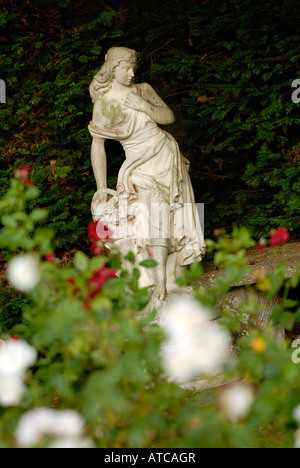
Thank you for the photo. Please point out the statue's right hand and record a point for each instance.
(103, 195)
(100, 196)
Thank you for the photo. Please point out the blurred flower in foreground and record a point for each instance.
(50, 257)
(75, 289)
(194, 344)
(72, 442)
(236, 401)
(98, 279)
(22, 174)
(263, 283)
(98, 231)
(40, 422)
(297, 439)
(16, 356)
(296, 414)
(23, 272)
(278, 236)
(259, 345)
(12, 389)
(261, 244)
(96, 249)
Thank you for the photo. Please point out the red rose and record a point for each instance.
(50, 257)
(14, 338)
(24, 170)
(261, 244)
(72, 282)
(92, 234)
(86, 304)
(100, 277)
(96, 250)
(278, 236)
(22, 174)
(97, 231)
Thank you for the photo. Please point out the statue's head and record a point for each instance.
(115, 55)
(104, 77)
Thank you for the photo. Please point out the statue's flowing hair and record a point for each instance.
(102, 80)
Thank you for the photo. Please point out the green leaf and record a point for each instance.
(149, 263)
(220, 257)
(81, 261)
(289, 303)
(38, 215)
(97, 262)
(9, 221)
(295, 278)
(130, 257)
(31, 193)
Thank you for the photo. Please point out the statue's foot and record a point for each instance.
(159, 292)
(157, 299)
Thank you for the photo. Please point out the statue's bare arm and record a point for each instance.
(99, 164)
(149, 102)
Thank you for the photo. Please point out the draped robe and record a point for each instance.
(154, 199)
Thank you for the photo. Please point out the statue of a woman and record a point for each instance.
(152, 211)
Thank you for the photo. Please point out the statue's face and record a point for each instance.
(124, 72)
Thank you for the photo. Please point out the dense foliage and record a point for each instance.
(225, 67)
(243, 126)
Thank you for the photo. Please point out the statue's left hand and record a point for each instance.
(135, 102)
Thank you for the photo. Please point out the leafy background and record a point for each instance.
(224, 67)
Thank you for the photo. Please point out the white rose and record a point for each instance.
(38, 422)
(16, 356)
(180, 316)
(84, 443)
(296, 414)
(23, 272)
(236, 401)
(297, 439)
(194, 344)
(11, 390)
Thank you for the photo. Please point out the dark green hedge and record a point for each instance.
(225, 67)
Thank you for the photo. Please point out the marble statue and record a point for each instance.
(152, 212)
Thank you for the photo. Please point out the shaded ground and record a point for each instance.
(266, 259)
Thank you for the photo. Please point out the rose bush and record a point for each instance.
(94, 358)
